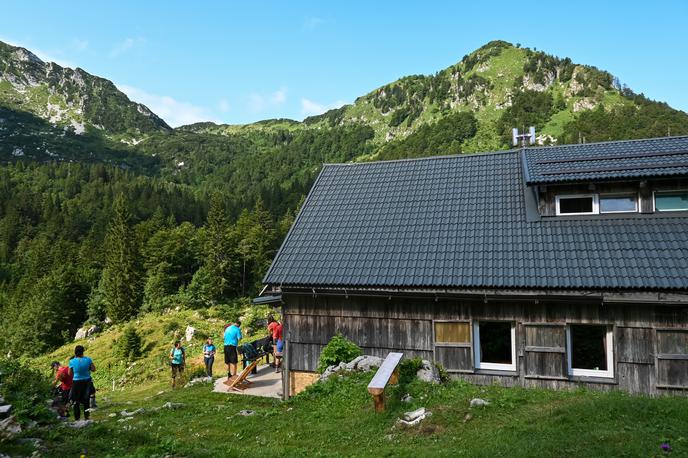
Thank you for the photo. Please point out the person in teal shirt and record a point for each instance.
(231, 340)
(177, 361)
(209, 356)
(80, 368)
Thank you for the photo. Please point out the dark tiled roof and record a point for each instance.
(460, 221)
(666, 156)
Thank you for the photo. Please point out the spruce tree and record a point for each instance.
(122, 276)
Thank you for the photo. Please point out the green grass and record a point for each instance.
(337, 418)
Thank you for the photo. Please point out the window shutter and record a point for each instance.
(545, 351)
(452, 341)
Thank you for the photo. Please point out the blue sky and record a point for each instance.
(238, 62)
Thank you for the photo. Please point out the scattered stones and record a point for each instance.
(407, 398)
(169, 405)
(159, 393)
(247, 413)
(198, 380)
(189, 334)
(122, 420)
(414, 417)
(126, 413)
(477, 402)
(428, 372)
(80, 424)
(467, 417)
(9, 427)
(112, 415)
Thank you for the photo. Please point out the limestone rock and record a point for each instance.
(368, 363)
(189, 333)
(80, 424)
(80, 334)
(247, 413)
(126, 413)
(477, 402)
(5, 411)
(9, 428)
(428, 372)
(198, 380)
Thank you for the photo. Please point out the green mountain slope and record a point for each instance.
(71, 145)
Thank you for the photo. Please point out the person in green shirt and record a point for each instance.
(177, 361)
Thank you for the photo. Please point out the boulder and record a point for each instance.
(428, 372)
(368, 363)
(9, 428)
(92, 330)
(5, 411)
(414, 417)
(330, 371)
(351, 365)
(80, 334)
(189, 333)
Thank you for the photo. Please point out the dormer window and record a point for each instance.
(618, 203)
(673, 201)
(595, 204)
(577, 204)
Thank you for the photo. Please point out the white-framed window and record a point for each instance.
(494, 345)
(618, 203)
(577, 204)
(590, 350)
(671, 201)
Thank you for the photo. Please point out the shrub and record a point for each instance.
(339, 349)
(26, 389)
(129, 344)
(408, 369)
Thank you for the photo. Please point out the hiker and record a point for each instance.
(231, 341)
(209, 356)
(278, 339)
(272, 323)
(80, 368)
(177, 361)
(62, 385)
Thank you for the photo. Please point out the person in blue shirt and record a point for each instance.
(80, 368)
(231, 340)
(177, 361)
(209, 356)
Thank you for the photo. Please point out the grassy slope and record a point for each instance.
(337, 418)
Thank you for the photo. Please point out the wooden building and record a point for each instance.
(549, 266)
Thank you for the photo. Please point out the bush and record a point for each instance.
(339, 349)
(27, 390)
(129, 344)
(408, 369)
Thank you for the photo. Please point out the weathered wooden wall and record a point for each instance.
(650, 341)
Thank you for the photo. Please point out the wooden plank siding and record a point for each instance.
(650, 342)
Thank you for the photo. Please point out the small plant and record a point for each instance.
(129, 344)
(442, 372)
(408, 369)
(338, 349)
(26, 389)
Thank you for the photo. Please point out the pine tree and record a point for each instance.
(122, 277)
(129, 345)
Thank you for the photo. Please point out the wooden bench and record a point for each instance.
(387, 373)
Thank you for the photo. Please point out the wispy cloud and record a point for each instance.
(310, 108)
(312, 22)
(174, 112)
(125, 45)
(258, 102)
(79, 44)
(223, 105)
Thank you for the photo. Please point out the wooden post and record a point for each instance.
(394, 378)
(379, 399)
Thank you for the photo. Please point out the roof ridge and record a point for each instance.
(428, 158)
(630, 140)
